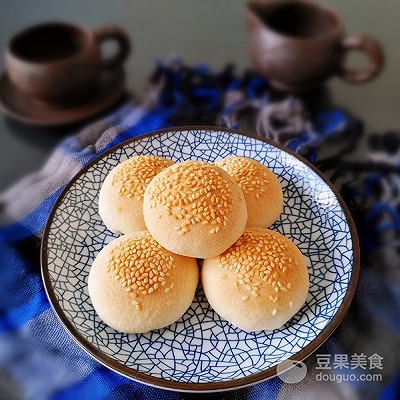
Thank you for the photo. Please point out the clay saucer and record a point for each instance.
(23, 108)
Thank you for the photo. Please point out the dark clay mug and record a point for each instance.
(55, 61)
(299, 44)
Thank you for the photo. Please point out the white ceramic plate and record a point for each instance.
(201, 351)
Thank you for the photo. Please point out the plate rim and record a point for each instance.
(252, 379)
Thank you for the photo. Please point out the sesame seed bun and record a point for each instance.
(195, 209)
(136, 285)
(259, 283)
(261, 187)
(121, 195)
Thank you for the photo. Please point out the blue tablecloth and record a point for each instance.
(38, 360)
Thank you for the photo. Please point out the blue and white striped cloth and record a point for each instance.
(38, 359)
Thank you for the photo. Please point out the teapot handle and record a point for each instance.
(374, 52)
(111, 32)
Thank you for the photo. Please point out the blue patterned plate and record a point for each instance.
(201, 351)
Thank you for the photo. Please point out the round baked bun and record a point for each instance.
(259, 283)
(195, 209)
(261, 187)
(136, 285)
(121, 195)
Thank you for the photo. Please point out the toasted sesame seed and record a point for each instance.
(199, 194)
(291, 304)
(250, 176)
(274, 312)
(255, 262)
(245, 297)
(134, 175)
(136, 262)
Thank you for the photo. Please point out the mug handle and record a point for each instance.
(374, 52)
(111, 32)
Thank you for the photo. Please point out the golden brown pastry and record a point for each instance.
(261, 187)
(121, 195)
(195, 209)
(136, 285)
(259, 283)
